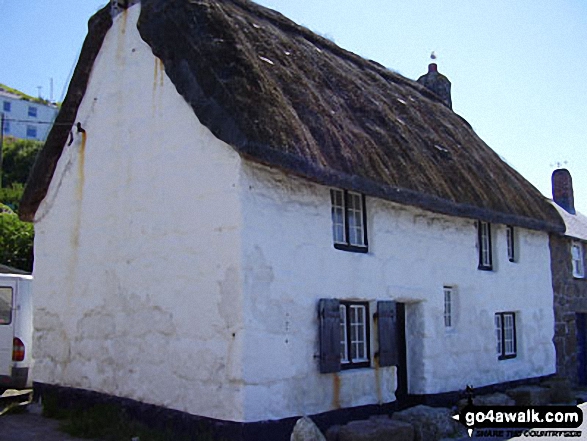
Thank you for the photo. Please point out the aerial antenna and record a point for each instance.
(559, 164)
(40, 88)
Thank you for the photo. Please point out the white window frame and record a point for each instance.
(349, 231)
(449, 307)
(505, 332)
(33, 112)
(6, 301)
(354, 342)
(485, 252)
(7, 106)
(578, 261)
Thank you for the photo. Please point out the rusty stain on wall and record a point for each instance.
(336, 391)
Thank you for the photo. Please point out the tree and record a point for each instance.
(16, 240)
(18, 158)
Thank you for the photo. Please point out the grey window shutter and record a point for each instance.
(329, 314)
(386, 327)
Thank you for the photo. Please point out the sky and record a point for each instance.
(518, 67)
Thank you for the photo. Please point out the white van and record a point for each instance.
(16, 329)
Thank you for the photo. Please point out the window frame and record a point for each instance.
(346, 210)
(485, 246)
(33, 112)
(347, 361)
(449, 307)
(31, 131)
(578, 265)
(501, 331)
(511, 243)
(7, 106)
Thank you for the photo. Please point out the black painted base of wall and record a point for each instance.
(190, 426)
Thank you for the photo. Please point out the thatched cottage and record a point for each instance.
(239, 220)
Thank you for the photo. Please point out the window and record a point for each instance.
(485, 257)
(354, 334)
(510, 237)
(6, 106)
(578, 263)
(32, 111)
(348, 221)
(6, 126)
(448, 307)
(31, 132)
(505, 333)
(345, 334)
(5, 305)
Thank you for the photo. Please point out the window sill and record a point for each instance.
(485, 268)
(507, 357)
(351, 248)
(353, 366)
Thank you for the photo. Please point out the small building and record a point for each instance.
(569, 283)
(25, 117)
(254, 224)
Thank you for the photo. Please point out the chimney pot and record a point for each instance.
(432, 67)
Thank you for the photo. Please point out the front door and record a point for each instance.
(402, 367)
(582, 348)
(7, 291)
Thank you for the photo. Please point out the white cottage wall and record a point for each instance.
(138, 265)
(290, 263)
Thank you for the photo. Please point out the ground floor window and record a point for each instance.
(354, 334)
(505, 332)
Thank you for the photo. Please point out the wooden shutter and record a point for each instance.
(329, 315)
(387, 331)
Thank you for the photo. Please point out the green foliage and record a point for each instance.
(16, 241)
(18, 158)
(11, 196)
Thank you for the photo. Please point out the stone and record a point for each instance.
(306, 430)
(560, 390)
(430, 423)
(496, 399)
(376, 430)
(530, 395)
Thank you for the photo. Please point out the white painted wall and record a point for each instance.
(17, 118)
(138, 269)
(170, 271)
(290, 263)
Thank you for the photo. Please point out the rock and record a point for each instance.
(430, 423)
(496, 399)
(530, 395)
(376, 430)
(306, 430)
(560, 390)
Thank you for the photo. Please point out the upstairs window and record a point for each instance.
(348, 221)
(448, 307)
(6, 106)
(505, 332)
(578, 261)
(511, 240)
(484, 239)
(32, 111)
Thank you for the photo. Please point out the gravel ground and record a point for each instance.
(30, 425)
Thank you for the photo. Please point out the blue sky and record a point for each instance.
(517, 67)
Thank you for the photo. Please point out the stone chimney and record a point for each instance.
(437, 83)
(562, 190)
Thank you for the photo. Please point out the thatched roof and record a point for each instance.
(283, 96)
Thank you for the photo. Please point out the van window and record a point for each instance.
(5, 305)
